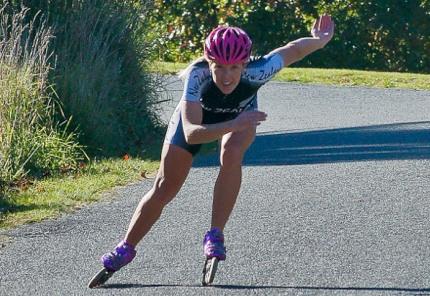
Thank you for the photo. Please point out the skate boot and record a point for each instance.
(123, 254)
(214, 250)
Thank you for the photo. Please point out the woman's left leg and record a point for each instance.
(227, 186)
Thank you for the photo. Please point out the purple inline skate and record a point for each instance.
(214, 250)
(112, 262)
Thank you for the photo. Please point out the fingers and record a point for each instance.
(325, 24)
(315, 25)
(258, 114)
(249, 119)
(261, 116)
(255, 116)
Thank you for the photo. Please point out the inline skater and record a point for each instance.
(219, 102)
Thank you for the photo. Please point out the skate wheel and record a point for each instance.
(100, 278)
(209, 270)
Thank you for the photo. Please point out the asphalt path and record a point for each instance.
(334, 201)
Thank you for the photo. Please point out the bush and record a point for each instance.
(100, 73)
(101, 80)
(31, 141)
(373, 35)
(378, 35)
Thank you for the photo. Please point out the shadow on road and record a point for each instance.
(399, 141)
(420, 291)
(129, 286)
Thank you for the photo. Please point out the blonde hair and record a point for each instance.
(184, 73)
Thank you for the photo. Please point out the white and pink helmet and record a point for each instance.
(228, 45)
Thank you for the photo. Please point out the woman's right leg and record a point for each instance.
(174, 168)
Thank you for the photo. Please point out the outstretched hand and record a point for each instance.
(248, 119)
(323, 28)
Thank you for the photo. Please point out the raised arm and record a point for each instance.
(322, 31)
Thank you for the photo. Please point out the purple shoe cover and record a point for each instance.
(124, 253)
(213, 244)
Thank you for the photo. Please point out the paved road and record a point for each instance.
(335, 201)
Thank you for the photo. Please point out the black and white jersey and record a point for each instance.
(218, 107)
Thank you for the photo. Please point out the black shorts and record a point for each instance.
(175, 131)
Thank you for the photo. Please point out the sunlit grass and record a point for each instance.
(53, 196)
(340, 77)
(344, 77)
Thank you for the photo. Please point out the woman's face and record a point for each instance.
(226, 77)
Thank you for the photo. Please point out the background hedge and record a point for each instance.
(375, 35)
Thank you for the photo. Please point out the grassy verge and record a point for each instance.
(333, 77)
(49, 198)
(356, 78)
(57, 67)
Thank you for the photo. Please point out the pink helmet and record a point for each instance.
(228, 45)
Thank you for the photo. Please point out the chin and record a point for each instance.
(227, 92)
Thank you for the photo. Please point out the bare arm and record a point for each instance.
(322, 32)
(197, 133)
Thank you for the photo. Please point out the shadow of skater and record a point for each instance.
(399, 141)
(414, 291)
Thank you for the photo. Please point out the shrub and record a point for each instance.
(31, 141)
(378, 35)
(100, 78)
(100, 75)
(373, 35)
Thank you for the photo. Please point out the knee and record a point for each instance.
(231, 156)
(164, 190)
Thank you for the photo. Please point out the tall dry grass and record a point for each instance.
(32, 140)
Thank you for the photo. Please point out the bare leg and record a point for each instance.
(227, 186)
(174, 167)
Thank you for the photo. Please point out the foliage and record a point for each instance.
(380, 35)
(79, 66)
(179, 27)
(369, 34)
(112, 101)
(30, 140)
(100, 73)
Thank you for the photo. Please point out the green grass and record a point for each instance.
(340, 77)
(167, 68)
(51, 197)
(344, 77)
